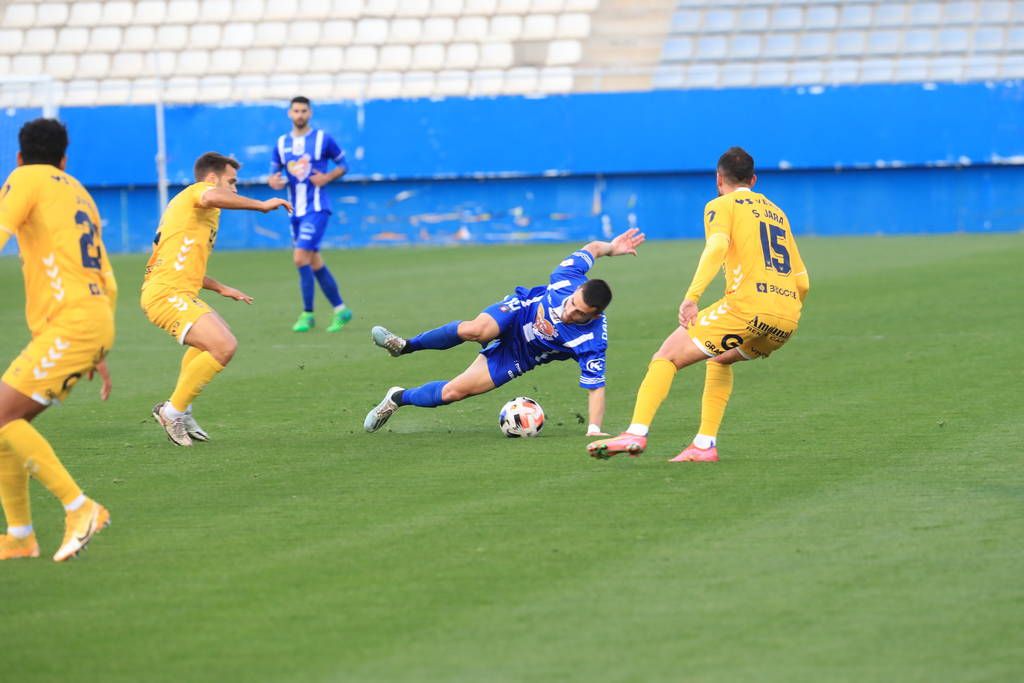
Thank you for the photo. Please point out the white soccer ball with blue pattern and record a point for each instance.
(521, 417)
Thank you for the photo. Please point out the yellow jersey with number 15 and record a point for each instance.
(183, 242)
(762, 264)
(63, 259)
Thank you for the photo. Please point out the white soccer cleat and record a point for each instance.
(386, 339)
(382, 412)
(196, 432)
(175, 427)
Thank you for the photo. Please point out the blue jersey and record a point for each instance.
(532, 332)
(298, 157)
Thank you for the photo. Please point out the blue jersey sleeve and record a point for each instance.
(572, 270)
(591, 354)
(335, 153)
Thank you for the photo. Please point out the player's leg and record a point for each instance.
(474, 380)
(303, 259)
(676, 352)
(482, 329)
(717, 390)
(20, 539)
(328, 285)
(216, 346)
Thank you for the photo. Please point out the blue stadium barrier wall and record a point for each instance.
(846, 160)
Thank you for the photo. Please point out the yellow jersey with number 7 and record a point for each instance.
(183, 242)
(59, 235)
(762, 264)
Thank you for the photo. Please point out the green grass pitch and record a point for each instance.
(864, 524)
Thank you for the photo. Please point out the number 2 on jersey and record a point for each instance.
(92, 256)
(772, 248)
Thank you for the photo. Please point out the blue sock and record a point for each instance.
(307, 286)
(425, 396)
(329, 286)
(440, 338)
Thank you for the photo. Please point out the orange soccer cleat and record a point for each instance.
(693, 454)
(79, 528)
(633, 444)
(13, 548)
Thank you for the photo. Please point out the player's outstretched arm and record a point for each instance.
(626, 243)
(222, 289)
(595, 411)
(711, 260)
(219, 198)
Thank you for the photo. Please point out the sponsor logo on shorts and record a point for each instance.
(731, 341)
(763, 329)
(595, 365)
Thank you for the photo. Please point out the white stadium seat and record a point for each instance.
(982, 68)
(418, 83)
(890, 14)
(842, 71)
(855, 16)
(380, 8)
(452, 83)
(919, 41)
(581, 5)
(247, 10)
(114, 91)
(876, 70)
(270, 34)
(953, 40)
(150, 12)
(884, 42)
(81, 93)
(216, 11)
(139, 38)
(347, 9)
(1015, 38)
(204, 35)
(496, 55)
(93, 66)
(947, 68)
(513, 6)
(193, 63)
(807, 73)
(573, 26)
(546, 6)
(328, 59)
(181, 89)
(384, 85)
(555, 80)
(52, 14)
(280, 10)
(539, 27)
(480, 7)
(912, 69)
(995, 12)
(22, 15)
(171, 37)
(304, 33)
(361, 58)
(925, 14)
(10, 41)
(958, 12)
(215, 88)
(438, 29)
(507, 27)
(248, 88)
(294, 60)
(184, 11)
(737, 75)
(677, 49)
(143, 90)
(686, 21)
(814, 44)
(745, 46)
(702, 76)
(462, 56)
(405, 31)
(771, 73)
(60, 66)
(428, 57)
(317, 86)
(315, 9)
(120, 13)
(337, 32)
(825, 16)
(106, 38)
(71, 39)
(711, 47)
(564, 52)
(371, 31)
(850, 43)
(127, 65)
(395, 57)
(446, 8)
(413, 8)
(239, 35)
(779, 45)
(259, 60)
(719, 20)
(82, 14)
(39, 40)
(26, 64)
(471, 28)
(162, 63)
(282, 86)
(349, 86)
(486, 82)
(521, 80)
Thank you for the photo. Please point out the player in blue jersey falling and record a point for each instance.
(300, 163)
(558, 321)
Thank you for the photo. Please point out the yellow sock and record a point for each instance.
(653, 390)
(190, 355)
(717, 389)
(37, 457)
(196, 375)
(14, 488)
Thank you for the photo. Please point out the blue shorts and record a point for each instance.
(506, 360)
(308, 231)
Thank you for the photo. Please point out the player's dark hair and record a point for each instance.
(43, 141)
(737, 166)
(299, 99)
(214, 162)
(596, 293)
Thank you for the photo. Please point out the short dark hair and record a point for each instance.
(737, 166)
(596, 293)
(299, 99)
(214, 162)
(43, 141)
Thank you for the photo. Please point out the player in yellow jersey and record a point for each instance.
(765, 286)
(176, 272)
(70, 294)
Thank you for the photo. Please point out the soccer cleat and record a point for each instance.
(305, 322)
(693, 454)
(176, 429)
(341, 319)
(13, 548)
(376, 418)
(633, 444)
(79, 528)
(386, 339)
(195, 432)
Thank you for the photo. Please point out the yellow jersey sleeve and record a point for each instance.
(718, 217)
(17, 198)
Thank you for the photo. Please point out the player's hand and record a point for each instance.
(319, 179)
(104, 371)
(687, 313)
(236, 294)
(268, 205)
(277, 181)
(627, 242)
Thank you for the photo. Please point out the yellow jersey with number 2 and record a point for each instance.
(762, 264)
(183, 243)
(63, 258)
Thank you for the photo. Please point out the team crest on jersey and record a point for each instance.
(542, 326)
(300, 168)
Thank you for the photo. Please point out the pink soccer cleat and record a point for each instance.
(623, 443)
(693, 454)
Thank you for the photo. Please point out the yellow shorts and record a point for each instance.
(719, 328)
(61, 354)
(174, 312)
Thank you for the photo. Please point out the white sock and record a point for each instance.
(172, 412)
(704, 441)
(20, 531)
(76, 503)
(339, 308)
(638, 429)
(188, 411)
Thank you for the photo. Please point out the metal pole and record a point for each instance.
(161, 136)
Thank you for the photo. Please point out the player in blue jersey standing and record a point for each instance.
(561, 320)
(300, 162)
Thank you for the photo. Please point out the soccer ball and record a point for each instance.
(521, 416)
